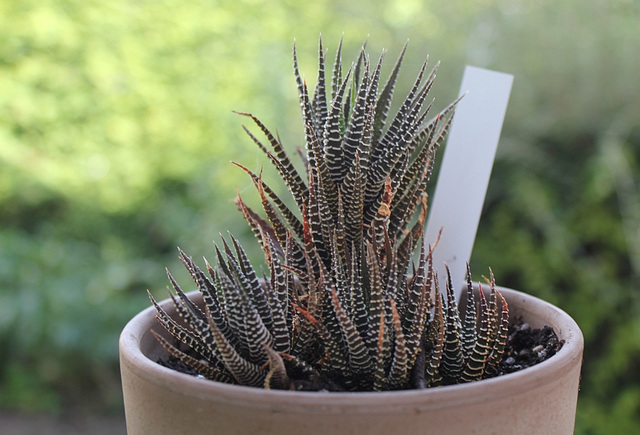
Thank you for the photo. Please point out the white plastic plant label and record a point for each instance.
(465, 171)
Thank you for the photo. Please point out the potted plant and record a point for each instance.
(345, 332)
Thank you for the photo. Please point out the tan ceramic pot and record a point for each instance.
(538, 400)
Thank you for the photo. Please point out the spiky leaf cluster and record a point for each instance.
(341, 305)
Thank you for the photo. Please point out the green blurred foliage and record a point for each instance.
(116, 132)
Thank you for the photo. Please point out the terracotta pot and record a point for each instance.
(540, 399)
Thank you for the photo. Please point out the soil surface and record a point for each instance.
(525, 347)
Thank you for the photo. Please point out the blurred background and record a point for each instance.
(116, 133)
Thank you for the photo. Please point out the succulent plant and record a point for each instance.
(343, 303)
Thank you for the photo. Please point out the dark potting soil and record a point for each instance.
(177, 364)
(525, 347)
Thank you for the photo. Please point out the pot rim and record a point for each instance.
(536, 376)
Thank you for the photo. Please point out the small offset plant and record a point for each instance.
(343, 304)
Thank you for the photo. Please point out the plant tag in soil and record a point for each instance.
(465, 171)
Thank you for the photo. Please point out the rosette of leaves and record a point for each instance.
(341, 304)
